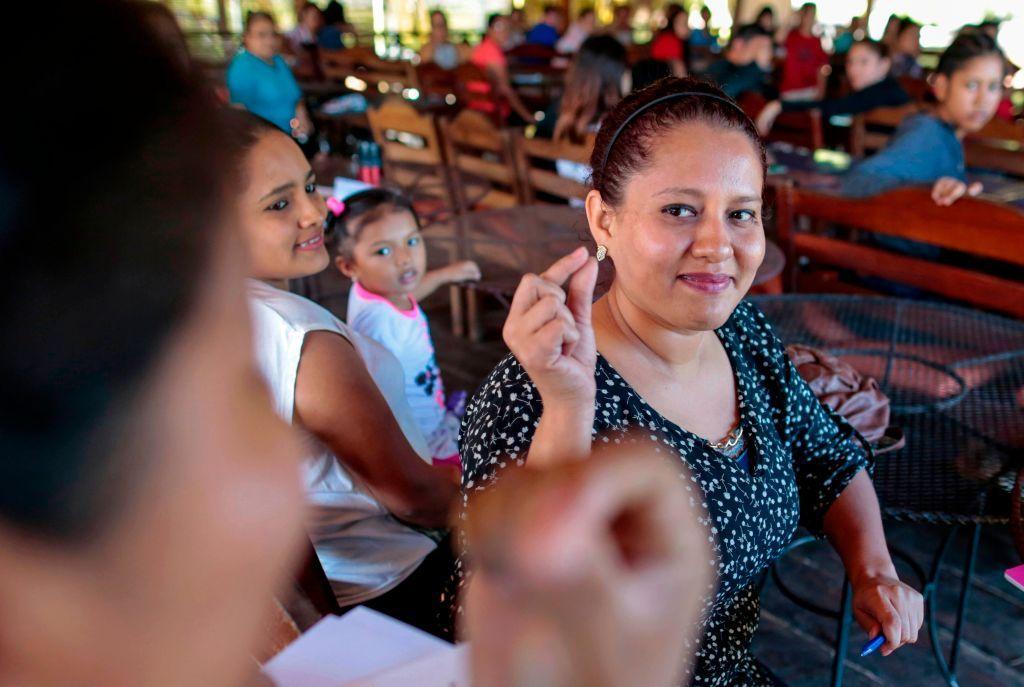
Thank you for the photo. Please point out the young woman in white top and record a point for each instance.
(376, 498)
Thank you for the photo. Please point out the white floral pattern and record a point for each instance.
(801, 458)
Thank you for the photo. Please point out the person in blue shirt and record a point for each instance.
(260, 81)
(926, 147)
(546, 33)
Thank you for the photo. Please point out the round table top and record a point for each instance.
(955, 379)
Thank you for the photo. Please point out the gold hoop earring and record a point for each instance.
(602, 252)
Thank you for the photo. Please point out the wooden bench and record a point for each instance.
(807, 224)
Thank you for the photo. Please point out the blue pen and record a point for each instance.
(872, 646)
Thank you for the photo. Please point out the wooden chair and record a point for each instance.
(535, 161)
(918, 89)
(474, 91)
(433, 81)
(310, 601)
(975, 227)
(998, 147)
(480, 162)
(801, 128)
(1005, 157)
(530, 54)
(363, 64)
(279, 630)
(413, 158)
(871, 130)
(1000, 131)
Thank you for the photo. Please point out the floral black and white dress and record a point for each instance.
(800, 455)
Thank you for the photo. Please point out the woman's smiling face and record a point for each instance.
(687, 237)
(281, 211)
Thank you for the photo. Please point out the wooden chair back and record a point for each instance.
(998, 147)
(536, 159)
(530, 54)
(1005, 157)
(1000, 131)
(411, 151)
(871, 130)
(279, 630)
(312, 599)
(976, 227)
(480, 161)
(801, 128)
(917, 89)
(363, 64)
(474, 90)
(434, 81)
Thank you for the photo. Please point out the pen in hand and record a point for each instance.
(871, 646)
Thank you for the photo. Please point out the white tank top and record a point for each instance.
(364, 550)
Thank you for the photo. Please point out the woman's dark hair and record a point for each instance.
(766, 11)
(255, 16)
(671, 12)
(880, 49)
(162, 22)
(592, 87)
(334, 13)
(906, 24)
(102, 271)
(494, 19)
(242, 130)
(963, 49)
(362, 209)
(630, 152)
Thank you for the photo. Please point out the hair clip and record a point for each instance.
(335, 206)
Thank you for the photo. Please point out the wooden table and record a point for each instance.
(510, 242)
(821, 170)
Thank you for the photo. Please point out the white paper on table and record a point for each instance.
(342, 649)
(448, 668)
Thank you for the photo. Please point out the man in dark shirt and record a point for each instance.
(747, 64)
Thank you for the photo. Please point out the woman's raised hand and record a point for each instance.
(549, 329)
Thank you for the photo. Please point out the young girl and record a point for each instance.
(379, 247)
(926, 147)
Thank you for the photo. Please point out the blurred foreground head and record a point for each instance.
(585, 574)
(149, 499)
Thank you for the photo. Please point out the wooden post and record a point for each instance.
(222, 16)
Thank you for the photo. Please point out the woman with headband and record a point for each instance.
(673, 351)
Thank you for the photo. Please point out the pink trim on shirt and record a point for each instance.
(361, 291)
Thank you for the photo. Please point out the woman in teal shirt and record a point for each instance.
(260, 81)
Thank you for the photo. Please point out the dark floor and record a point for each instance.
(795, 643)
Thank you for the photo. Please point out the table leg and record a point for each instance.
(474, 325)
(842, 634)
(948, 667)
(458, 317)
